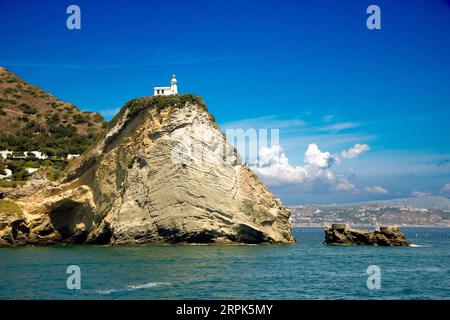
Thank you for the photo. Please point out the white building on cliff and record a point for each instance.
(5, 154)
(165, 91)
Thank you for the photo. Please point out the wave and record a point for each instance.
(418, 246)
(435, 269)
(133, 287)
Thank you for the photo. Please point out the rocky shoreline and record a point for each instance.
(342, 234)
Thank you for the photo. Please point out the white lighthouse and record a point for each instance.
(165, 91)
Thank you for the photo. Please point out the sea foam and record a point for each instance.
(133, 287)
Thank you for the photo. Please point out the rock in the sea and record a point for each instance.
(342, 234)
(163, 172)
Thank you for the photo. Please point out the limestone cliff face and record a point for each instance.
(162, 173)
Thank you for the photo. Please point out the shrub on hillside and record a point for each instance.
(23, 118)
(79, 118)
(2, 167)
(53, 120)
(27, 109)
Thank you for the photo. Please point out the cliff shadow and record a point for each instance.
(73, 220)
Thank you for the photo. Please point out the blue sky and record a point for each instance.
(310, 68)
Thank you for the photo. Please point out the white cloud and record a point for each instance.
(355, 151)
(417, 193)
(328, 118)
(160, 57)
(339, 126)
(272, 155)
(274, 169)
(446, 189)
(264, 123)
(344, 185)
(376, 189)
(281, 172)
(274, 166)
(317, 158)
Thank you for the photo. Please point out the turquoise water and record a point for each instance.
(306, 270)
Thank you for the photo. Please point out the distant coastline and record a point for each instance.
(432, 211)
(372, 226)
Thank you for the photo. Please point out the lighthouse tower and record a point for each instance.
(165, 91)
(173, 85)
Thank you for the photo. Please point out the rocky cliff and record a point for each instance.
(341, 234)
(163, 172)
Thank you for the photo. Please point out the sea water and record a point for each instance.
(305, 270)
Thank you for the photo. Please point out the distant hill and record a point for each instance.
(32, 119)
(417, 211)
(427, 202)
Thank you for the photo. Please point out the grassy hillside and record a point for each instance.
(32, 119)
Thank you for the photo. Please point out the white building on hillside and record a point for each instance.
(22, 155)
(36, 154)
(72, 156)
(8, 173)
(31, 170)
(166, 91)
(5, 154)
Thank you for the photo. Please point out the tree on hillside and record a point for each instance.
(2, 167)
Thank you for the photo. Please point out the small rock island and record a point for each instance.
(342, 234)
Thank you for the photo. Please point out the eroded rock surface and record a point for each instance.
(157, 175)
(341, 234)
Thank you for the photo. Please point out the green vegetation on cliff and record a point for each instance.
(32, 119)
(2, 167)
(10, 208)
(159, 103)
